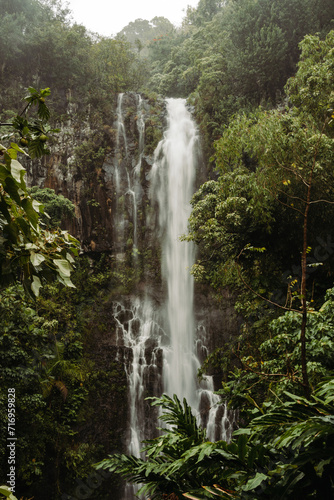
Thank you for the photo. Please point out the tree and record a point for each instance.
(145, 31)
(27, 251)
(164, 452)
(250, 50)
(204, 12)
(275, 369)
(272, 163)
(113, 65)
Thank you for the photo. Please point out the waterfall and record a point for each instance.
(137, 169)
(138, 335)
(121, 151)
(161, 345)
(138, 331)
(173, 178)
(127, 175)
(172, 185)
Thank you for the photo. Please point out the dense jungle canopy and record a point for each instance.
(259, 76)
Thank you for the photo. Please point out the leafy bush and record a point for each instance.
(285, 452)
(57, 207)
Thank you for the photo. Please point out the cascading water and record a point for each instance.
(138, 331)
(137, 168)
(120, 152)
(138, 334)
(173, 178)
(162, 346)
(124, 166)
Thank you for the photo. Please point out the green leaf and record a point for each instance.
(37, 206)
(36, 148)
(4, 490)
(36, 285)
(17, 170)
(4, 210)
(17, 147)
(29, 210)
(36, 259)
(70, 258)
(242, 449)
(43, 111)
(24, 226)
(64, 267)
(30, 246)
(255, 481)
(12, 153)
(12, 189)
(4, 173)
(32, 91)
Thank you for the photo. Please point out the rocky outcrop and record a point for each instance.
(103, 169)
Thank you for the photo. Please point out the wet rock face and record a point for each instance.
(103, 169)
(220, 320)
(106, 171)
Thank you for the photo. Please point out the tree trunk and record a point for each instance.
(306, 384)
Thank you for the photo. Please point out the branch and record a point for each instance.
(282, 202)
(322, 201)
(265, 374)
(291, 196)
(258, 294)
(294, 172)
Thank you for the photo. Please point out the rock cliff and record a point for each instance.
(105, 169)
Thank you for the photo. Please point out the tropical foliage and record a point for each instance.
(262, 224)
(276, 172)
(274, 367)
(284, 452)
(28, 251)
(234, 55)
(41, 45)
(6, 493)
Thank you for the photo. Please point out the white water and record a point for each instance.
(173, 182)
(131, 173)
(143, 329)
(137, 169)
(138, 336)
(121, 151)
(138, 333)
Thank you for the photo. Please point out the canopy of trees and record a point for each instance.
(235, 54)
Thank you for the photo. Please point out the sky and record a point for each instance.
(108, 17)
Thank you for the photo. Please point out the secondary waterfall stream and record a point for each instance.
(162, 345)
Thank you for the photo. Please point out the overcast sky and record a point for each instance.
(108, 17)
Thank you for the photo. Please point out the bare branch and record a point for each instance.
(282, 202)
(291, 196)
(321, 201)
(258, 294)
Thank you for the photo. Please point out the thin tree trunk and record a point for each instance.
(306, 383)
